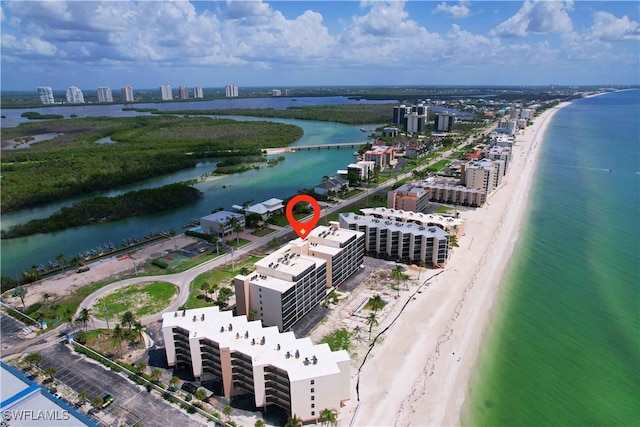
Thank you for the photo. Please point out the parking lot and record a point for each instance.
(132, 403)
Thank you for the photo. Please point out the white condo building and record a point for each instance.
(127, 93)
(165, 93)
(183, 92)
(45, 93)
(249, 359)
(396, 240)
(75, 96)
(287, 284)
(104, 94)
(197, 92)
(231, 90)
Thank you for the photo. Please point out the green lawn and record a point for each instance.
(142, 299)
(238, 243)
(263, 232)
(352, 193)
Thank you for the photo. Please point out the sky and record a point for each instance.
(281, 44)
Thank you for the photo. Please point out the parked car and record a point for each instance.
(189, 388)
(107, 400)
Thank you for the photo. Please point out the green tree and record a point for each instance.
(329, 417)
(223, 296)
(97, 402)
(227, 411)
(33, 359)
(206, 288)
(51, 372)
(19, 292)
(174, 381)
(62, 260)
(200, 394)
(127, 318)
(83, 317)
(376, 303)
(142, 367)
(372, 321)
(397, 273)
(259, 423)
(293, 421)
(156, 374)
(82, 397)
(45, 297)
(118, 334)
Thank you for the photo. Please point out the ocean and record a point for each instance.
(563, 345)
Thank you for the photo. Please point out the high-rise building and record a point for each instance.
(246, 358)
(291, 281)
(104, 94)
(75, 96)
(183, 92)
(231, 90)
(127, 93)
(197, 92)
(46, 95)
(444, 122)
(165, 93)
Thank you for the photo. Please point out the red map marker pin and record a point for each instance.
(302, 229)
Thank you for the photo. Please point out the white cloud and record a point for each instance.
(461, 10)
(540, 17)
(607, 27)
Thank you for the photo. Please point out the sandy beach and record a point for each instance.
(418, 371)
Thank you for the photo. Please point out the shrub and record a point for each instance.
(160, 263)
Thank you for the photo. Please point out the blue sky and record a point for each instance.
(311, 43)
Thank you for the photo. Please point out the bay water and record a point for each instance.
(563, 346)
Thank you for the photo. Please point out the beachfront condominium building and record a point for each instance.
(222, 223)
(165, 93)
(287, 284)
(246, 358)
(231, 90)
(127, 93)
(74, 95)
(499, 152)
(396, 240)
(197, 92)
(363, 170)
(419, 193)
(45, 93)
(444, 122)
(450, 224)
(104, 94)
(484, 174)
(183, 92)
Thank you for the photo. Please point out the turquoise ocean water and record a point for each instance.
(563, 346)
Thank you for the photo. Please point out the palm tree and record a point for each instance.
(227, 410)
(33, 359)
(97, 402)
(293, 421)
(213, 288)
(62, 260)
(259, 423)
(45, 297)
(405, 278)
(51, 372)
(204, 286)
(142, 367)
(371, 322)
(118, 334)
(397, 272)
(376, 303)
(83, 317)
(127, 318)
(156, 374)
(422, 265)
(329, 416)
(82, 397)
(19, 292)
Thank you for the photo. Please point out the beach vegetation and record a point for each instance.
(372, 322)
(329, 417)
(138, 300)
(338, 340)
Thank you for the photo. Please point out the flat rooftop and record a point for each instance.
(266, 345)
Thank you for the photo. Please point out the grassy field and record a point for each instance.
(142, 299)
(263, 232)
(338, 340)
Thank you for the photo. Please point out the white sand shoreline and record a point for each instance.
(419, 374)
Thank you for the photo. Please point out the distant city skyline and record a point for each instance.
(91, 44)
